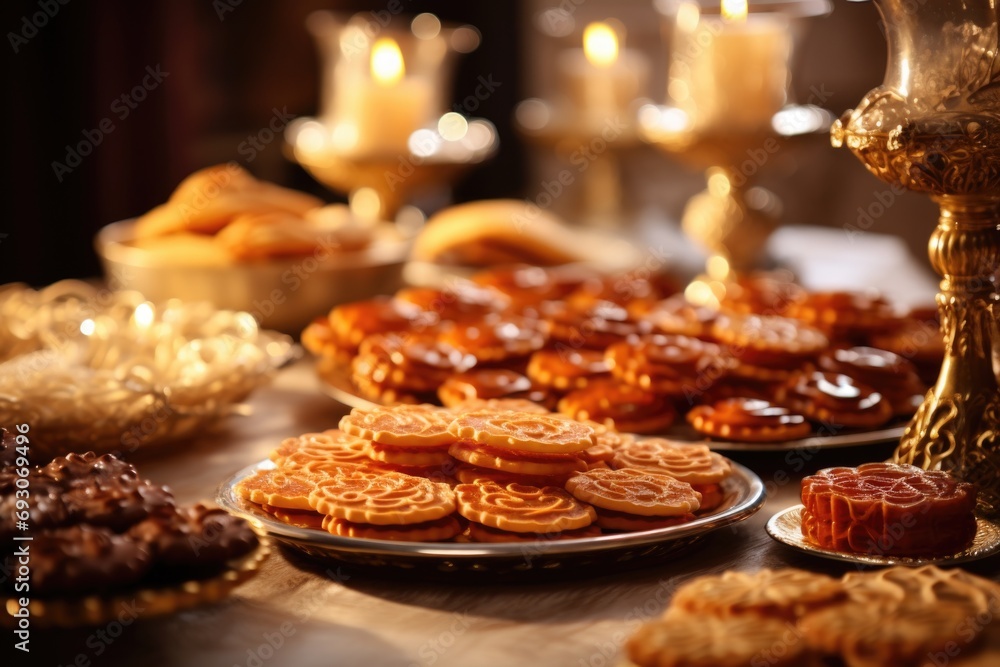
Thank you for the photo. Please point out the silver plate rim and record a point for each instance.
(749, 500)
(779, 535)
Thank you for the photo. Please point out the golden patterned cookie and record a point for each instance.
(524, 432)
(779, 594)
(520, 463)
(383, 499)
(437, 530)
(352, 322)
(418, 457)
(567, 369)
(685, 640)
(677, 316)
(926, 585)
(606, 445)
(620, 406)
(694, 464)
(748, 420)
(847, 316)
(470, 474)
(480, 533)
(634, 491)
(297, 518)
(288, 489)
(523, 509)
(332, 447)
(595, 328)
(402, 425)
(769, 340)
(499, 405)
(868, 635)
(407, 362)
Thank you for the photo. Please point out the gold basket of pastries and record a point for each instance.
(244, 244)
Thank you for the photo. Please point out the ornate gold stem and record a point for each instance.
(956, 427)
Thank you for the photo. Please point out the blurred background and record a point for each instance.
(224, 69)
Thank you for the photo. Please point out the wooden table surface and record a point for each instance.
(355, 618)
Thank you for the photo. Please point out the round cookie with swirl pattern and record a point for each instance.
(567, 369)
(620, 406)
(436, 530)
(517, 462)
(523, 509)
(748, 420)
(691, 463)
(389, 498)
(523, 431)
(632, 499)
(402, 425)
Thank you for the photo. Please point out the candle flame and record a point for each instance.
(387, 62)
(600, 44)
(735, 10)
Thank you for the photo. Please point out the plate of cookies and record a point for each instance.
(780, 369)
(90, 541)
(896, 616)
(883, 514)
(496, 488)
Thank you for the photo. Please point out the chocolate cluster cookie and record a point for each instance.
(96, 525)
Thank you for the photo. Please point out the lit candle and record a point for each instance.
(602, 80)
(375, 111)
(729, 70)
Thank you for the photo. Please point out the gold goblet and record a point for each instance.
(933, 126)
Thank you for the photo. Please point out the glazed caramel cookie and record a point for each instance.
(496, 337)
(845, 316)
(523, 432)
(684, 640)
(836, 399)
(694, 464)
(634, 491)
(528, 285)
(764, 293)
(619, 406)
(768, 341)
(437, 530)
(388, 498)
(676, 316)
(84, 559)
(517, 462)
(460, 301)
(351, 323)
(889, 374)
(522, 509)
(667, 364)
(402, 425)
(490, 383)
(748, 420)
(778, 594)
(595, 328)
(566, 369)
(407, 362)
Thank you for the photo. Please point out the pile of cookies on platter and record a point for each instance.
(774, 363)
(223, 215)
(903, 617)
(492, 471)
(97, 527)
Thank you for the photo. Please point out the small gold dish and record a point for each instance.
(786, 527)
(141, 602)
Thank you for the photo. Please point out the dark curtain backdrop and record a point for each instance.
(211, 79)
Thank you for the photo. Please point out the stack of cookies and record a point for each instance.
(898, 616)
(487, 472)
(774, 363)
(96, 526)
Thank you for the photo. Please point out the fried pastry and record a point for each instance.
(768, 341)
(496, 338)
(594, 328)
(670, 365)
(500, 405)
(437, 530)
(676, 316)
(518, 462)
(458, 302)
(523, 509)
(888, 509)
(748, 420)
(620, 406)
(408, 362)
(836, 399)
(351, 323)
(285, 488)
(490, 383)
(634, 491)
(845, 316)
(694, 464)
(567, 369)
(892, 376)
(417, 457)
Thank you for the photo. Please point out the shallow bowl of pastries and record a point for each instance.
(282, 293)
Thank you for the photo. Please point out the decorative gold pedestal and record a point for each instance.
(934, 127)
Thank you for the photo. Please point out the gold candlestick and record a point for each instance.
(728, 114)
(934, 127)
